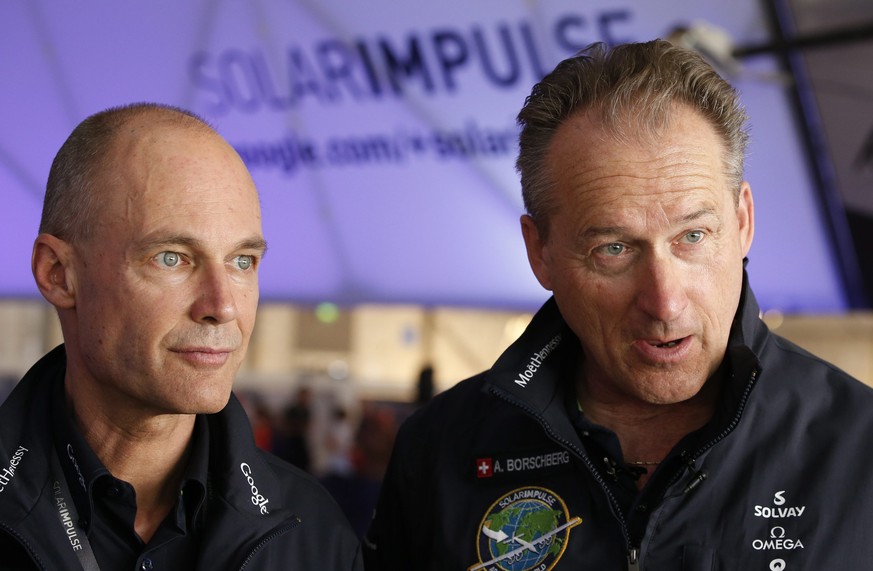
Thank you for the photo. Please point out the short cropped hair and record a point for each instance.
(72, 203)
(633, 88)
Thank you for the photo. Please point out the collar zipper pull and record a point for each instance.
(633, 559)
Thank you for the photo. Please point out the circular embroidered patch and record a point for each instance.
(526, 529)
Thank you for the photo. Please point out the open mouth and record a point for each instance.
(668, 344)
(661, 352)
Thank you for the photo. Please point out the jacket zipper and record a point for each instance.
(700, 476)
(633, 552)
(24, 543)
(273, 535)
(736, 419)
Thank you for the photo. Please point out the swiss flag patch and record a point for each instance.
(484, 467)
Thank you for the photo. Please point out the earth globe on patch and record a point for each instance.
(523, 523)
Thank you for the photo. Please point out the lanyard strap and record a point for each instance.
(69, 518)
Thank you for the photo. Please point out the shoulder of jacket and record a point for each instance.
(304, 491)
(451, 417)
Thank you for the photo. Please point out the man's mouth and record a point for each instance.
(668, 344)
(660, 351)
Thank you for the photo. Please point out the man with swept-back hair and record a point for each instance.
(646, 418)
(634, 98)
(124, 448)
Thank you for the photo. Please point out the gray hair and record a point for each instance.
(633, 88)
(71, 204)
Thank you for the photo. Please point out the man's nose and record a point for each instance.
(662, 287)
(215, 301)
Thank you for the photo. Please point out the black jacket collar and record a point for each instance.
(233, 460)
(536, 372)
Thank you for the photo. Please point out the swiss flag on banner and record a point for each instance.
(484, 467)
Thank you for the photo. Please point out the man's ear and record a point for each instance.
(537, 251)
(51, 264)
(746, 217)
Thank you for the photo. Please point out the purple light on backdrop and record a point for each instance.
(383, 148)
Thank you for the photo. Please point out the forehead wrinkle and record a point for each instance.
(692, 175)
(625, 188)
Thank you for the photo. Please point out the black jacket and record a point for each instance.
(302, 529)
(504, 465)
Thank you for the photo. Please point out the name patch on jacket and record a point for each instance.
(524, 530)
(520, 463)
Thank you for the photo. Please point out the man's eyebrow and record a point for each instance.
(698, 214)
(600, 231)
(254, 243)
(258, 244)
(167, 240)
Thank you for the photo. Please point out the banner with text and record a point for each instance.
(381, 134)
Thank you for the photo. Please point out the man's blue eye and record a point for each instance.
(169, 259)
(245, 262)
(694, 236)
(614, 249)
